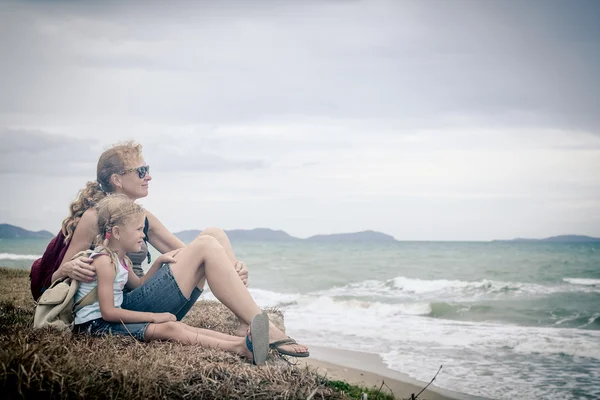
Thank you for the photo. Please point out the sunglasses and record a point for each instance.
(142, 171)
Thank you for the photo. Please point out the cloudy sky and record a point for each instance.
(427, 120)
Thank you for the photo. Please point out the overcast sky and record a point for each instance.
(427, 120)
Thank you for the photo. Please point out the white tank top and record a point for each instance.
(91, 312)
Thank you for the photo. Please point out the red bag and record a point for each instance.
(43, 268)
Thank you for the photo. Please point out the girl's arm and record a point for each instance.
(160, 237)
(134, 281)
(80, 268)
(163, 241)
(106, 277)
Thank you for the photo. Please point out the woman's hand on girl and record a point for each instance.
(159, 318)
(80, 269)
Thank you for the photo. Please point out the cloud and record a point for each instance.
(419, 62)
(424, 119)
(36, 152)
(199, 162)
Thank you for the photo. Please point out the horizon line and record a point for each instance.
(362, 231)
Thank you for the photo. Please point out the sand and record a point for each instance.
(342, 365)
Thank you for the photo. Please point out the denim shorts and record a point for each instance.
(100, 327)
(160, 294)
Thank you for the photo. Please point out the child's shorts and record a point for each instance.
(160, 294)
(100, 327)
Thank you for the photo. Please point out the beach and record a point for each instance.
(368, 370)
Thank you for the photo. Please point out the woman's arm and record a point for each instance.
(80, 269)
(106, 277)
(160, 237)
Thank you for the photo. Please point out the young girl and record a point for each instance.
(121, 227)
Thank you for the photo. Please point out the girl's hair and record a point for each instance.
(115, 209)
(112, 161)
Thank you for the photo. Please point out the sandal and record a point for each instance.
(259, 345)
(277, 346)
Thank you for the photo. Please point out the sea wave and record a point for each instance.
(359, 307)
(582, 281)
(331, 305)
(419, 286)
(580, 321)
(11, 256)
(455, 290)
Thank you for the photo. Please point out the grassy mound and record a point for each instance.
(49, 364)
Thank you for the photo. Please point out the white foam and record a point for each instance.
(567, 343)
(345, 308)
(567, 319)
(330, 305)
(402, 288)
(264, 298)
(11, 256)
(456, 290)
(582, 281)
(590, 321)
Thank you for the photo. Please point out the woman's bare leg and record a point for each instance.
(206, 258)
(223, 240)
(177, 332)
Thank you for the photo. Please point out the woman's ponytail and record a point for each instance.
(86, 198)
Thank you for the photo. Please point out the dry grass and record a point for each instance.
(48, 364)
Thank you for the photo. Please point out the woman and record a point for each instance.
(121, 169)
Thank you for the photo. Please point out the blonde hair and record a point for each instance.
(112, 161)
(113, 210)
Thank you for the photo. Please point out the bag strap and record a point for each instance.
(146, 229)
(86, 300)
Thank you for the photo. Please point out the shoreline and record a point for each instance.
(343, 365)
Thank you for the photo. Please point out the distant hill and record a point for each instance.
(270, 235)
(13, 232)
(365, 236)
(557, 239)
(187, 236)
(258, 234)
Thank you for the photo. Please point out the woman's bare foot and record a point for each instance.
(275, 335)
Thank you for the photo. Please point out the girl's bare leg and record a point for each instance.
(208, 332)
(177, 332)
(206, 258)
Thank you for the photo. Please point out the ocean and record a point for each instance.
(506, 320)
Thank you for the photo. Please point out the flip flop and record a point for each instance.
(276, 346)
(259, 346)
